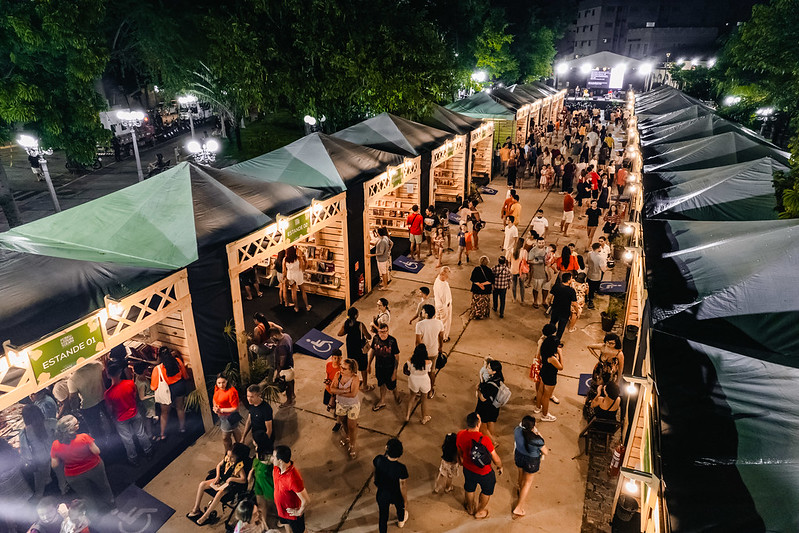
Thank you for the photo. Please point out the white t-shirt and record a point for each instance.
(539, 225)
(429, 329)
(442, 294)
(511, 234)
(87, 381)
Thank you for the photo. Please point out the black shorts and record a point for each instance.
(486, 482)
(549, 380)
(178, 389)
(297, 525)
(383, 375)
(326, 398)
(360, 358)
(527, 463)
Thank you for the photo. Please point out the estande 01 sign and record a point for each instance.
(298, 226)
(64, 351)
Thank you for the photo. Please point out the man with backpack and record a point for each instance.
(476, 453)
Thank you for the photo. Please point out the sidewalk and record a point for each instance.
(341, 490)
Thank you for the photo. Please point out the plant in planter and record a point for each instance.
(620, 242)
(612, 313)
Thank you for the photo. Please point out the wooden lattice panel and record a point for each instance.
(266, 242)
(382, 184)
(135, 313)
(448, 150)
(485, 131)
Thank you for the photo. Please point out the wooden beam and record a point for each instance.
(187, 315)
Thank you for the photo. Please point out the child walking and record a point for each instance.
(449, 467)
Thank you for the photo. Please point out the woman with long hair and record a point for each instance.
(357, 343)
(172, 373)
(383, 316)
(35, 441)
(294, 266)
(611, 219)
(490, 379)
(529, 449)
(482, 279)
(226, 406)
(419, 382)
(567, 262)
(551, 363)
(609, 367)
(348, 403)
(516, 269)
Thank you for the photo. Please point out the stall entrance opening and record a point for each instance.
(320, 232)
(448, 169)
(482, 152)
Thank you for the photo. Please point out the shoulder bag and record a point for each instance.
(162, 394)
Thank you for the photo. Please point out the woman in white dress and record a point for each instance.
(419, 381)
(294, 270)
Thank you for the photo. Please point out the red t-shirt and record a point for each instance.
(621, 176)
(122, 399)
(330, 372)
(226, 399)
(464, 443)
(287, 485)
(415, 223)
(568, 203)
(76, 456)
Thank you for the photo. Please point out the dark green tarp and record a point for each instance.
(481, 105)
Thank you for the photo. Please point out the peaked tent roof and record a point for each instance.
(57, 270)
(514, 100)
(533, 90)
(481, 105)
(671, 101)
(668, 178)
(737, 192)
(723, 149)
(694, 128)
(687, 113)
(318, 161)
(394, 134)
(447, 120)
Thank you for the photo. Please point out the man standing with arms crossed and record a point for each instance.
(596, 265)
(414, 223)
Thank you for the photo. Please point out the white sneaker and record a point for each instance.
(554, 400)
(536, 409)
(401, 523)
(549, 418)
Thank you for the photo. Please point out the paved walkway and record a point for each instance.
(342, 491)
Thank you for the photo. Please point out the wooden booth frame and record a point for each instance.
(375, 190)
(484, 156)
(448, 171)
(262, 244)
(119, 321)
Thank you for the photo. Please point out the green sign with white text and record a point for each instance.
(66, 350)
(298, 226)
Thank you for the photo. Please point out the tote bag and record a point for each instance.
(162, 394)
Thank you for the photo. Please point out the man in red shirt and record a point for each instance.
(414, 224)
(120, 400)
(291, 498)
(568, 213)
(594, 177)
(475, 474)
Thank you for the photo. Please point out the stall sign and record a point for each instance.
(64, 351)
(397, 174)
(298, 226)
(450, 149)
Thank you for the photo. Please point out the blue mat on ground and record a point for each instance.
(584, 384)
(613, 287)
(318, 344)
(138, 512)
(406, 264)
(488, 190)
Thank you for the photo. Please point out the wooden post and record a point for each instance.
(239, 323)
(367, 261)
(196, 362)
(345, 241)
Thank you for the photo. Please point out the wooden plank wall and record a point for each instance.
(172, 333)
(332, 238)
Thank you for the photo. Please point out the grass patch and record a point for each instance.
(270, 132)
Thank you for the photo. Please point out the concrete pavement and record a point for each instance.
(341, 490)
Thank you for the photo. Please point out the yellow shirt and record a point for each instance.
(516, 211)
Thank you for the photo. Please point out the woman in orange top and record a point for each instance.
(174, 374)
(567, 262)
(226, 406)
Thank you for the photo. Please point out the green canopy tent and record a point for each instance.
(481, 105)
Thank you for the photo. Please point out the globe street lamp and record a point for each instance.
(132, 120)
(31, 146)
(189, 100)
(204, 153)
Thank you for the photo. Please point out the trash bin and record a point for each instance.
(626, 508)
(631, 332)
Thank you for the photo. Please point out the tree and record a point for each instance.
(52, 55)
(493, 49)
(538, 52)
(763, 56)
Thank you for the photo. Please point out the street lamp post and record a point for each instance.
(31, 146)
(204, 153)
(132, 120)
(188, 101)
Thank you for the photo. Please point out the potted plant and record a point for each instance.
(620, 242)
(611, 314)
